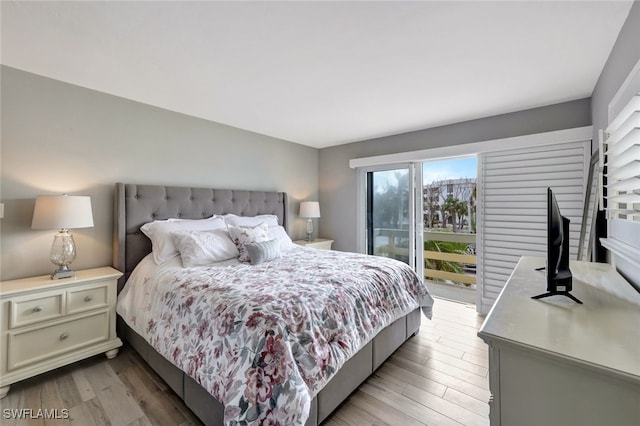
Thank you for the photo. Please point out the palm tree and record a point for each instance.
(451, 205)
(472, 208)
(461, 209)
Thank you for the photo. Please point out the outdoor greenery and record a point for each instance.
(391, 203)
(457, 209)
(455, 213)
(445, 265)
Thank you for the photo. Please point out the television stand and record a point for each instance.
(559, 293)
(561, 285)
(569, 364)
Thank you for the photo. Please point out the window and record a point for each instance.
(387, 212)
(623, 163)
(622, 187)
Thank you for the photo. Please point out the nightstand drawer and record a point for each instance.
(34, 309)
(322, 245)
(319, 243)
(35, 344)
(86, 299)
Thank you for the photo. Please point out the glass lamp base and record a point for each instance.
(63, 273)
(63, 252)
(309, 230)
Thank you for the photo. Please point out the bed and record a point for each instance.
(303, 400)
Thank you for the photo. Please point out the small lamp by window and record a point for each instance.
(309, 210)
(62, 212)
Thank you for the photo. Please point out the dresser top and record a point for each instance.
(603, 333)
(45, 281)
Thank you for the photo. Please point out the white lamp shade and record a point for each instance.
(62, 212)
(309, 209)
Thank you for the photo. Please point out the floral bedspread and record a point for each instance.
(265, 339)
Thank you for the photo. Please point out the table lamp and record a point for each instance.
(309, 210)
(62, 212)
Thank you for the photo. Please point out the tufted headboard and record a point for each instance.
(136, 205)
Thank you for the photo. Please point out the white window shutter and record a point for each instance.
(623, 163)
(623, 178)
(512, 206)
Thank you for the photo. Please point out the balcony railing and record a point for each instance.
(394, 243)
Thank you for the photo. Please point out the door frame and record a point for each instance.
(416, 228)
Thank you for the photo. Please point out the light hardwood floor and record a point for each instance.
(436, 378)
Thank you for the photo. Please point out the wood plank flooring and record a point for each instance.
(439, 377)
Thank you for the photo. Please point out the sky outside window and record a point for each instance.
(433, 171)
(454, 168)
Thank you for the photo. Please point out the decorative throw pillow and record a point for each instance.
(159, 232)
(264, 251)
(199, 248)
(243, 235)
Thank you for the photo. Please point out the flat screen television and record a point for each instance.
(559, 278)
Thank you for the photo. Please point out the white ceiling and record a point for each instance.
(321, 73)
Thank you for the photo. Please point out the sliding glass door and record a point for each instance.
(391, 210)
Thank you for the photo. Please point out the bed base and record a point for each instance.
(210, 411)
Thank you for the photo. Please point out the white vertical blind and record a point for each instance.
(623, 163)
(512, 206)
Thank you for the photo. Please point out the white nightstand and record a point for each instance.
(45, 323)
(319, 243)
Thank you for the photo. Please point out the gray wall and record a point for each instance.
(624, 56)
(58, 138)
(338, 181)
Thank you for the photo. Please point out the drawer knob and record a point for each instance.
(37, 309)
(64, 336)
(88, 298)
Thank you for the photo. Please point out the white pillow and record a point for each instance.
(242, 235)
(280, 234)
(199, 248)
(159, 232)
(269, 219)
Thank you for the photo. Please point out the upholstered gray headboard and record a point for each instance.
(136, 205)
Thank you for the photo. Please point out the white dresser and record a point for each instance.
(45, 323)
(555, 362)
